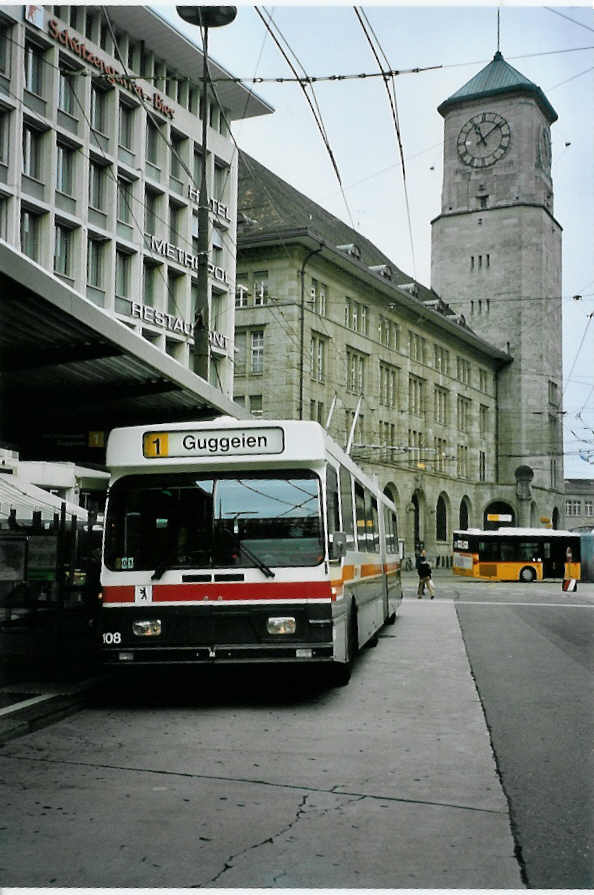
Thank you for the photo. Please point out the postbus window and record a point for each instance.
(346, 497)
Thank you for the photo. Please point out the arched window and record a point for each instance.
(463, 515)
(441, 520)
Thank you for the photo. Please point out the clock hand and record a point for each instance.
(480, 135)
(492, 129)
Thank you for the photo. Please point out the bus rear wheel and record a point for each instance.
(527, 574)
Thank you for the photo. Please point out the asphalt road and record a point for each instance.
(532, 660)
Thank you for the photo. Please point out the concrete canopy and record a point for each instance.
(67, 369)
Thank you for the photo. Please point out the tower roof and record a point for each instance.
(495, 79)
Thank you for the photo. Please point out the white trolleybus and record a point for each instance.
(243, 541)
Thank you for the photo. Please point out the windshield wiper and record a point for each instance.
(257, 561)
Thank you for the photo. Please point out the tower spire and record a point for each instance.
(498, 31)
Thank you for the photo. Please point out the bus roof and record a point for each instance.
(225, 441)
(517, 532)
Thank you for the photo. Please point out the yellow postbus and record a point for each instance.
(517, 554)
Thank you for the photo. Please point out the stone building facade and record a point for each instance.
(454, 391)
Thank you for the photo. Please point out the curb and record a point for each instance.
(36, 708)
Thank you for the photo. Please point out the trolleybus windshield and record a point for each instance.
(187, 520)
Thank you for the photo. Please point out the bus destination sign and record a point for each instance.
(213, 443)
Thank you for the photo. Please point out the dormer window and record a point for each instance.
(351, 249)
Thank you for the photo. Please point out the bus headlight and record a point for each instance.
(149, 628)
(281, 625)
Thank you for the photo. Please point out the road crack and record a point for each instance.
(269, 840)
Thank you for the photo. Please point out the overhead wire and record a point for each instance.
(394, 110)
(318, 120)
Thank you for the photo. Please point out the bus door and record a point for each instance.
(552, 561)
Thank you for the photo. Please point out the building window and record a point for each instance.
(221, 178)
(318, 297)
(463, 413)
(442, 360)
(416, 347)
(175, 282)
(217, 246)
(462, 461)
(150, 212)
(95, 263)
(241, 290)
(463, 370)
(573, 507)
(415, 446)
(441, 520)
(484, 382)
(387, 438)
(177, 167)
(124, 209)
(97, 186)
(65, 169)
(260, 287)
(388, 333)
(31, 152)
(148, 284)
(4, 135)
(126, 129)
(482, 466)
(587, 508)
(318, 358)
(30, 234)
(355, 372)
(256, 405)
(4, 51)
(63, 250)
(483, 420)
(356, 316)
(416, 395)
(388, 385)
(440, 447)
(98, 110)
(441, 401)
(316, 411)
(66, 94)
(33, 69)
(152, 143)
(257, 351)
(553, 393)
(122, 274)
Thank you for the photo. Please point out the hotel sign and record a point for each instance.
(218, 208)
(112, 75)
(185, 258)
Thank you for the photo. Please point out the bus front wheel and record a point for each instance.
(527, 574)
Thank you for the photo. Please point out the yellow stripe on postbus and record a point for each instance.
(155, 444)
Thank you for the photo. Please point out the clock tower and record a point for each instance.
(496, 259)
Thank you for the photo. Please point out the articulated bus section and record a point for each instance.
(517, 554)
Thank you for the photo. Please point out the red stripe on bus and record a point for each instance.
(224, 592)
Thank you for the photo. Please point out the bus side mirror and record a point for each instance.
(338, 545)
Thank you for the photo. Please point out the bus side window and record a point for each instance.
(332, 502)
(361, 519)
(390, 526)
(346, 498)
(373, 523)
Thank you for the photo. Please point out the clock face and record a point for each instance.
(483, 140)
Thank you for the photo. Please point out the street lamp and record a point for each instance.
(204, 17)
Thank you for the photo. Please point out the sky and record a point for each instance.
(552, 46)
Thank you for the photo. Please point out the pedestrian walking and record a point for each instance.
(424, 573)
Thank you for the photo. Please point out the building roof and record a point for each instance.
(185, 56)
(497, 78)
(271, 211)
(268, 204)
